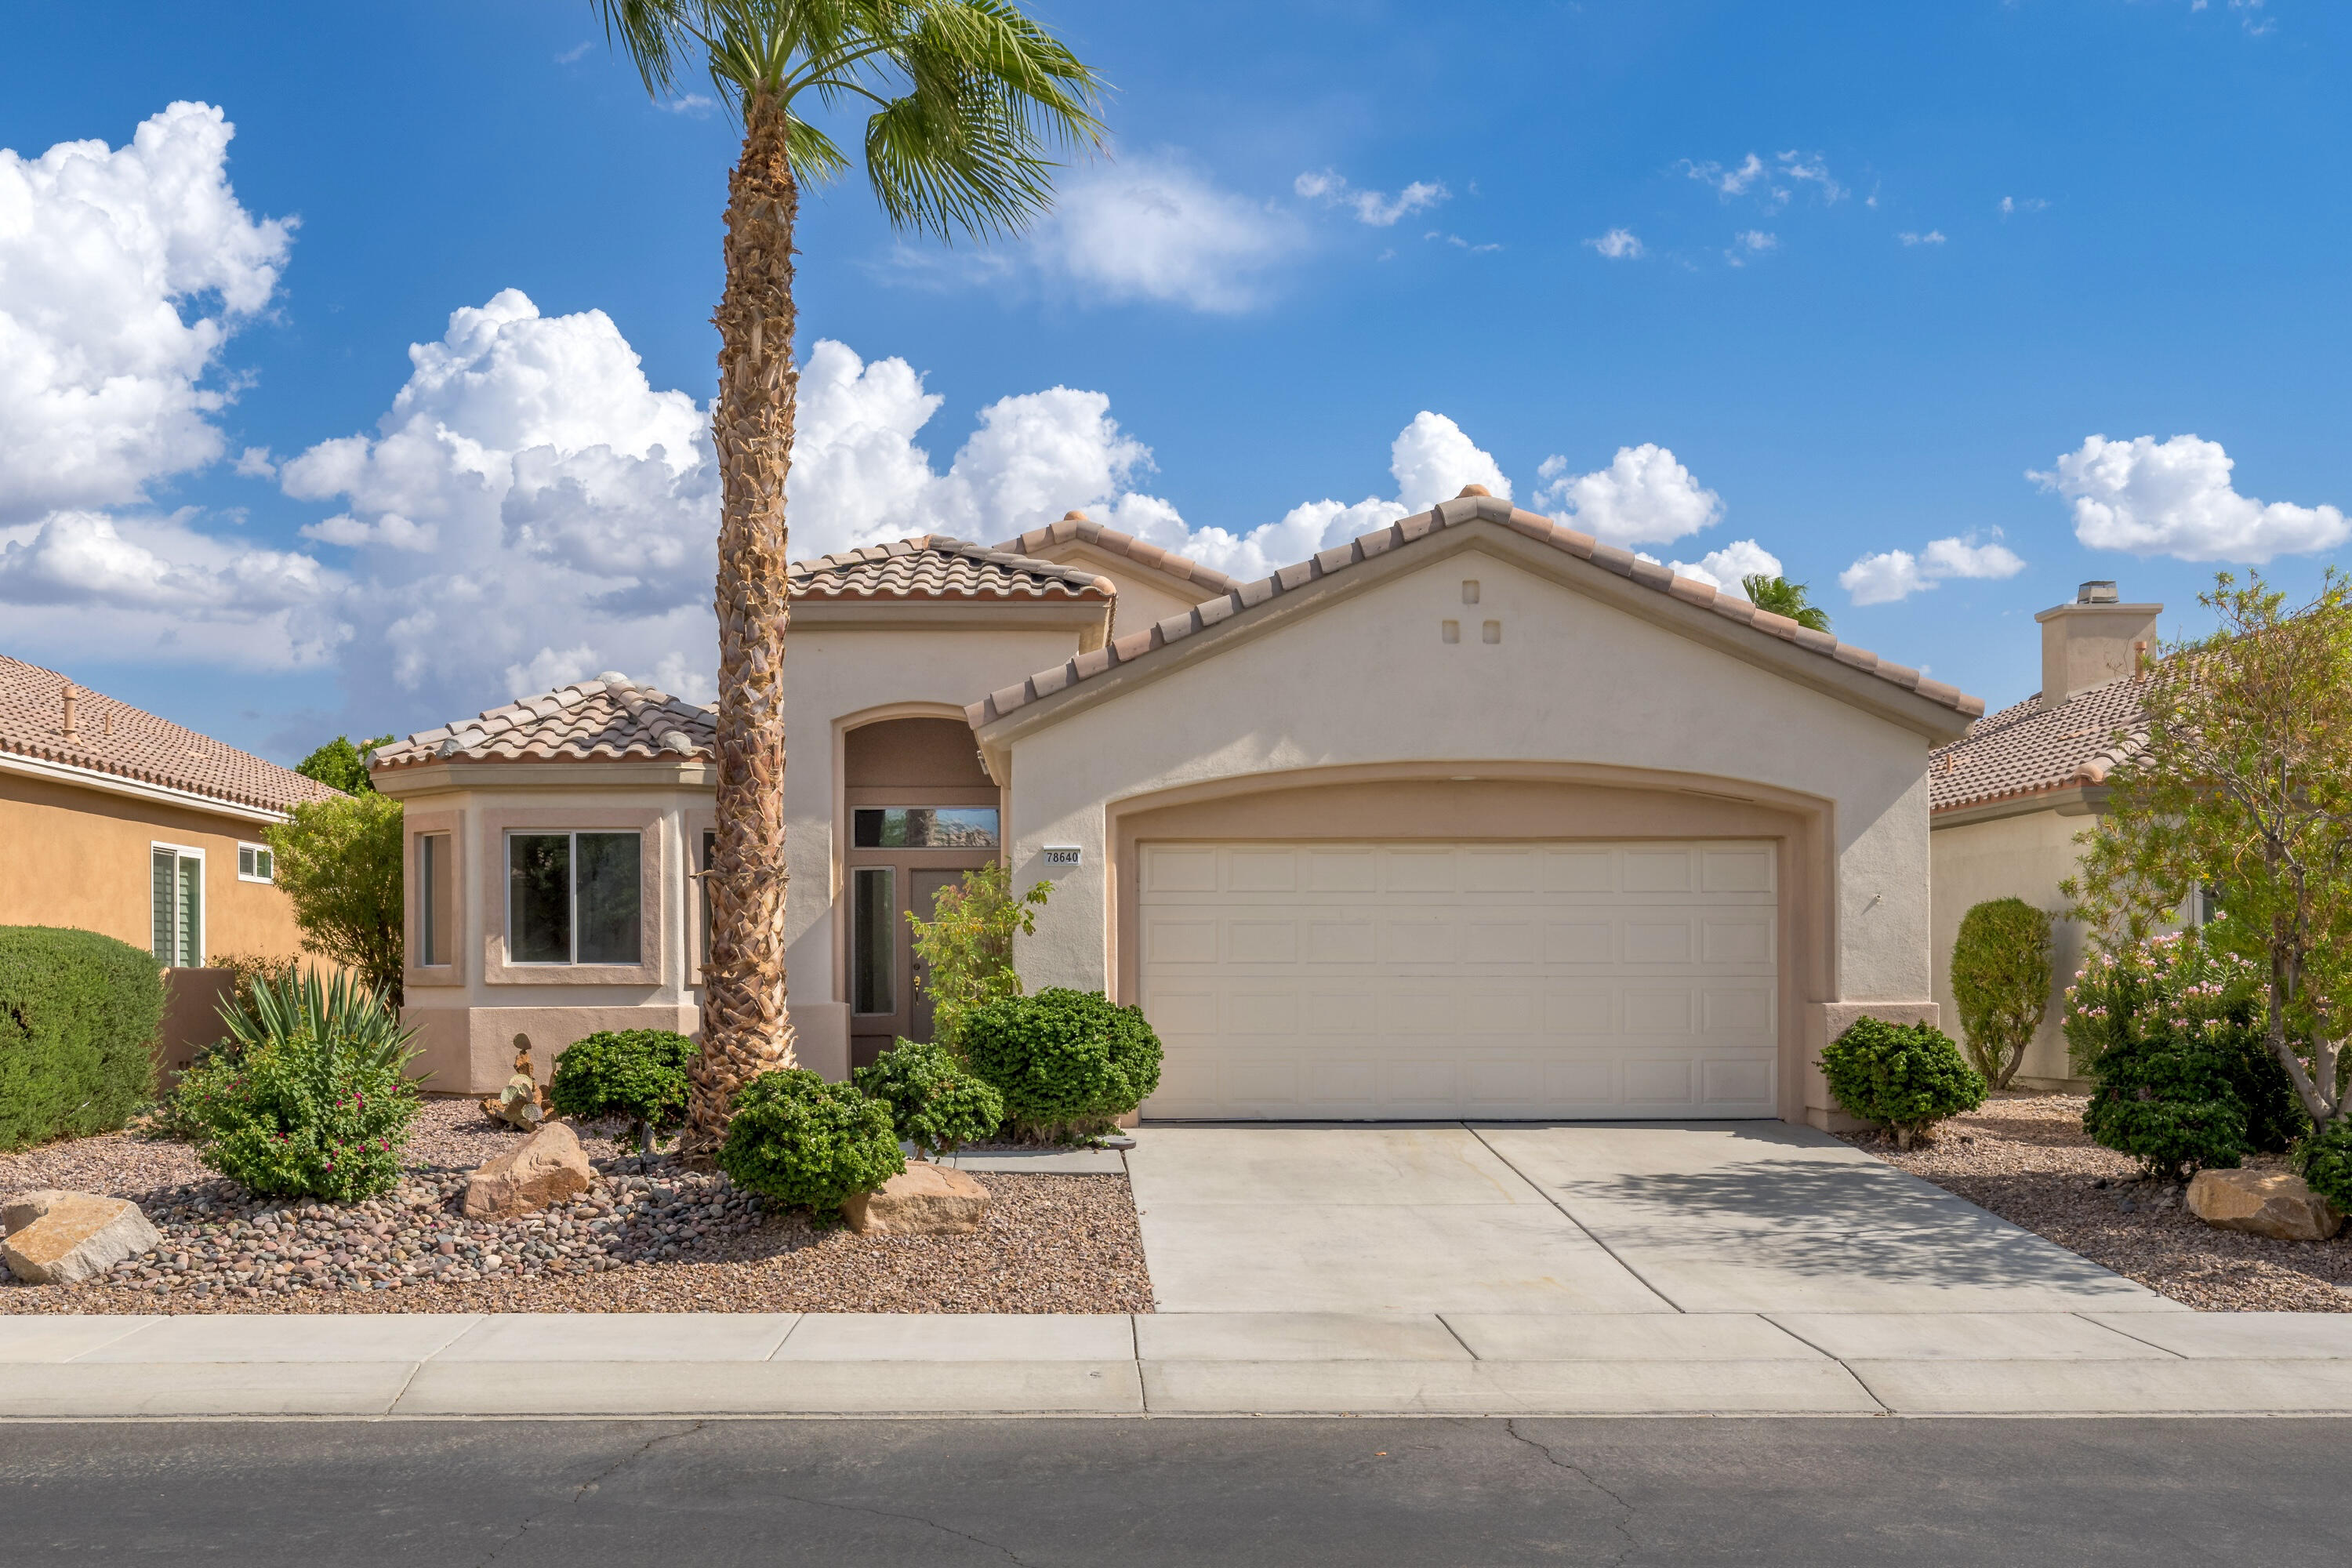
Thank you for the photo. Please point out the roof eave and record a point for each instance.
(139, 789)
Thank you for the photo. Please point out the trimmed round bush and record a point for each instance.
(1068, 1063)
(796, 1139)
(2167, 1101)
(2324, 1159)
(936, 1103)
(81, 1014)
(636, 1073)
(315, 1102)
(2001, 980)
(1907, 1077)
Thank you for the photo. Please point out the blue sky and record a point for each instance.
(2126, 220)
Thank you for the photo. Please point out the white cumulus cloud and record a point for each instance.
(1618, 245)
(1886, 577)
(123, 271)
(1933, 237)
(1728, 567)
(1377, 208)
(1153, 228)
(2176, 497)
(1774, 181)
(1646, 496)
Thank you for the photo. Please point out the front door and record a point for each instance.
(898, 863)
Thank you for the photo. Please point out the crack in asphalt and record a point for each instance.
(592, 1483)
(1010, 1555)
(1624, 1509)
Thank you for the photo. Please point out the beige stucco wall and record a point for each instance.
(468, 1012)
(1368, 679)
(1145, 596)
(81, 858)
(2022, 856)
(834, 680)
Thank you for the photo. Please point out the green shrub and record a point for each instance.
(796, 1139)
(1067, 1062)
(80, 1015)
(249, 969)
(2164, 1100)
(313, 1101)
(338, 865)
(2182, 992)
(2001, 979)
(936, 1103)
(636, 1073)
(2324, 1161)
(1907, 1076)
(966, 947)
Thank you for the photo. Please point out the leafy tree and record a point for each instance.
(339, 863)
(2243, 781)
(338, 764)
(963, 100)
(1784, 598)
(2000, 978)
(966, 947)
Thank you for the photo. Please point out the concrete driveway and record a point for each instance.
(1725, 1216)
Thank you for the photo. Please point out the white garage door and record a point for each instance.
(1413, 980)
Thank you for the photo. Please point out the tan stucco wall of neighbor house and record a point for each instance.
(1144, 597)
(82, 857)
(2024, 856)
(838, 677)
(1574, 690)
(468, 1012)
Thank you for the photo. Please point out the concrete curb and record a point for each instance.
(424, 1366)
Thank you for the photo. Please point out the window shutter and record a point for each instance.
(192, 912)
(166, 880)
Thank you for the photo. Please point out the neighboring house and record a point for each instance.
(1472, 817)
(116, 821)
(2010, 798)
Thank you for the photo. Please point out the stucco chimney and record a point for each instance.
(2091, 641)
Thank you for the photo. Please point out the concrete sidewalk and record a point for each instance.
(1450, 1364)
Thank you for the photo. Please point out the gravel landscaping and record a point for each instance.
(2025, 1157)
(648, 1236)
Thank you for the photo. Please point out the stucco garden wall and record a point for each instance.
(2022, 856)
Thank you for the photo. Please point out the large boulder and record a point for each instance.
(924, 1199)
(545, 1168)
(2267, 1203)
(62, 1238)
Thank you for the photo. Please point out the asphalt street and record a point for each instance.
(1075, 1491)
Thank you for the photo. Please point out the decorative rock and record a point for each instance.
(545, 1168)
(62, 1238)
(922, 1200)
(2267, 1203)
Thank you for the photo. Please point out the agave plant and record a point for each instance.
(347, 1017)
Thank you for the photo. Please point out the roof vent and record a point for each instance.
(2096, 593)
(71, 731)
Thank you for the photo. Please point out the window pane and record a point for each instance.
(610, 930)
(192, 912)
(539, 897)
(166, 876)
(245, 860)
(428, 875)
(265, 864)
(924, 827)
(874, 948)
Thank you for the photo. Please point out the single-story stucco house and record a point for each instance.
(2010, 797)
(1470, 816)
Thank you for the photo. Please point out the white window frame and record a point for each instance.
(506, 873)
(203, 901)
(259, 849)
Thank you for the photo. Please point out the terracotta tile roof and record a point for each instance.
(933, 566)
(2027, 748)
(113, 737)
(1463, 510)
(604, 720)
(1076, 526)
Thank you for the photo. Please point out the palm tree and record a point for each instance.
(1784, 598)
(963, 100)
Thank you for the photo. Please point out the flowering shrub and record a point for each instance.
(314, 1104)
(2182, 993)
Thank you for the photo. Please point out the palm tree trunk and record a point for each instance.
(746, 1029)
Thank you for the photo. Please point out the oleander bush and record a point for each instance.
(2324, 1159)
(1068, 1063)
(796, 1139)
(80, 1016)
(314, 1100)
(1906, 1077)
(2001, 980)
(937, 1102)
(636, 1073)
(2164, 1099)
